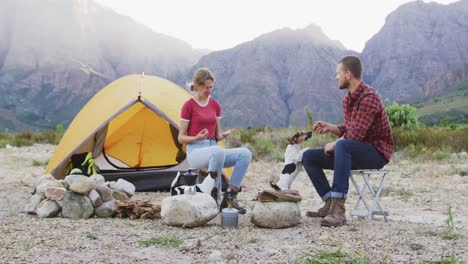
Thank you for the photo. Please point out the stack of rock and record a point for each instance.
(277, 209)
(78, 196)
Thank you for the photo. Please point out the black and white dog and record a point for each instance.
(205, 187)
(292, 161)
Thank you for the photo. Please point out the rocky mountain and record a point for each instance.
(421, 50)
(269, 80)
(55, 54)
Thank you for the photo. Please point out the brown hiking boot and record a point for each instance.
(230, 200)
(322, 212)
(337, 216)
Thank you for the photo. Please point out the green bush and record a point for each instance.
(402, 116)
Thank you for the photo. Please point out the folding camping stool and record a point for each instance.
(366, 175)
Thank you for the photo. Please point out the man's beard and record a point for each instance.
(344, 85)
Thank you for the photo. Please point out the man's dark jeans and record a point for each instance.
(348, 155)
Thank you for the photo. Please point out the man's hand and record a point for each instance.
(322, 127)
(203, 134)
(330, 148)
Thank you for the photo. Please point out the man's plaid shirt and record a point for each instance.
(366, 120)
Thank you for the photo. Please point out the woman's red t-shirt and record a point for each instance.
(201, 116)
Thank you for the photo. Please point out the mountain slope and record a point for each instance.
(269, 80)
(420, 51)
(55, 55)
(451, 105)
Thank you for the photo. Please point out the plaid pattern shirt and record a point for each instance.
(366, 120)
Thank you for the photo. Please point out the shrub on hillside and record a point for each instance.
(402, 116)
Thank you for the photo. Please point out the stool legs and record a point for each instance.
(375, 195)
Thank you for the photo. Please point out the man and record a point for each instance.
(365, 142)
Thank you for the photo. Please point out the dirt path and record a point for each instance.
(417, 194)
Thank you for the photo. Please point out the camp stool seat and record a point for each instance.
(369, 211)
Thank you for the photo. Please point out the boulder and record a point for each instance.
(98, 179)
(71, 178)
(35, 199)
(55, 193)
(106, 209)
(46, 177)
(76, 206)
(105, 192)
(120, 196)
(82, 185)
(95, 198)
(188, 210)
(47, 208)
(276, 214)
(64, 184)
(44, 185)
(125, 187)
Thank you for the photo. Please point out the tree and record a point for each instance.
(402, 116)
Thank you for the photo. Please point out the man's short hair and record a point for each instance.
(353, 65)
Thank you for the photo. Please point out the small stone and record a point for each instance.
(415, 246)
(82, 185)
(64, 184)
(106, 209)
(95, 198)
(44, 185)
(55, 193)
(105, 192)
(46, 177)
(125, 187)
(120, 196)
(35, 200)
(190, 244)
(47, 208)
(111, 184)
(72, 178)
(98, 179)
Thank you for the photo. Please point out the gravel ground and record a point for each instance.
(417, 195)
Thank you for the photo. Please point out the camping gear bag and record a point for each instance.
(84, 162)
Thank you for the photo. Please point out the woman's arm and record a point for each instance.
(184, 139)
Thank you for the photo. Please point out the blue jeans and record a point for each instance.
(207, 154)
(348, 155)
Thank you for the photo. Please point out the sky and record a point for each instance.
(223, 24)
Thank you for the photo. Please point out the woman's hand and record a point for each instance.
(228, 132)
(203, 134)
(225, 134)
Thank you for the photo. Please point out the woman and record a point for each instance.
(200, 129)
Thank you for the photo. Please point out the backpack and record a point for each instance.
(84, 162)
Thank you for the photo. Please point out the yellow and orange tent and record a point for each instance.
(131, 127)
